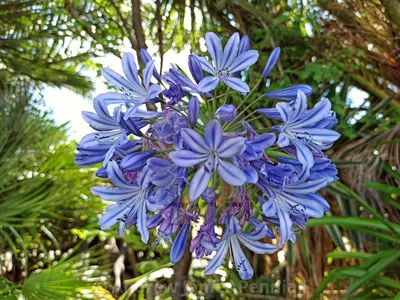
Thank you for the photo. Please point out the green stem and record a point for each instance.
(226, 96)
(250, 94)
(243, 111)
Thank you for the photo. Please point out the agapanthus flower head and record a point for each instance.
(199, 161)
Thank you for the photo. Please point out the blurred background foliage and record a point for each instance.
(50, 243)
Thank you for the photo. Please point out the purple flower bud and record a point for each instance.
(226, 112)
(244, 44)
(179, 245)
(195, 68)
(208, 195)
(146, 58)
(134, 162)
(102, 172)
(154, 221)
(193, 111)
(272, 60)
(290, 93)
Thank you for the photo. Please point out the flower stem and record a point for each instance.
(226, 96)
(250, 94)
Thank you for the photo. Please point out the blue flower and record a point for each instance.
(193, 110)
(114, 130)
(179, 244)
(322, 168)
(230, 241)
(169, 129)
(170, 180)
(210, 151)
(290, 93)
(225, 63)
(272, 60)
(130, 198)
(226, 112)
(147, 58)
(137, 93)
(288, 197)
(301, 128)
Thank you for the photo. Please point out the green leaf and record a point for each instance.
(383, 188)
(374, 270)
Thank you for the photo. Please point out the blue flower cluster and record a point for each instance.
(196, 163)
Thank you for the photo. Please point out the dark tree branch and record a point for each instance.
(85, 27)
(125, 27)
(137, 26)
(160, 33)
(181, 274)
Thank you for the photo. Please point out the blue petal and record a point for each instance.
(147, 114)
(111, 193)
(283, 140)
(130, 69)
(109, 154)
(231, 147)
(256, 246)
(251, 174)
(317, 113)
(148, 73)
(213, 134)
(111, 98)
(179, 245)
(116, 80)
(269, 207)
(244, 44)
(214, 47)
(272, 60)
(307, 206)
(146, 58)
(195, 68)
(263, 141)
(208, 84)
(199, 183)
(206, 65)
(142, 223)
(318, 134)
(195, 141)
(217, 260)
(186, 158)
(113, 213)
(230, 50)
(300, 105)
(158, 165)
(241, 262)
(308, 187)
(290, 93)
(101, 109)
(237, 84)
(99, 123)
(261, 231)
(153, 91)
(193, 111)
(285, 226)
(304, 154)
(230, 173)
(226, 112)
(134, 162)
(143, 177)
(243, 61)
(116, 177)
(320, 200)
(286, 111)
(271, 113)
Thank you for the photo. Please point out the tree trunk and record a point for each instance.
(181, 274)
